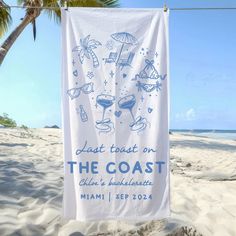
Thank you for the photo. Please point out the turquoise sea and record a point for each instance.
(218, 134)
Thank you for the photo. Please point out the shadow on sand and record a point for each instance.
(209, 145)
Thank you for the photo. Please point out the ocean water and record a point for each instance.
(218, 134)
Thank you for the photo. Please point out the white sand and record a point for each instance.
(203, 189)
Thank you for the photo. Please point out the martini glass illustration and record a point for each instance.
(128, 102)
(105, 101)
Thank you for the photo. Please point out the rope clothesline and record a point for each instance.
(202, 8)
(171, 8)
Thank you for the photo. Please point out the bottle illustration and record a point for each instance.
(83, 114)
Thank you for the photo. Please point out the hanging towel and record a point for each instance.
(115, 113)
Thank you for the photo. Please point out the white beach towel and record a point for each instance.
(115, 113)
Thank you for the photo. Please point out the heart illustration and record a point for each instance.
(150, 110)
(75, 73)
(118, 113)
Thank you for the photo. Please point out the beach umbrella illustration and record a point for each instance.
(124, 38)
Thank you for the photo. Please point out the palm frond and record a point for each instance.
(90, 3)
(82, 3)
(86, 41)
(31, 3)
(110, 3)
(34, 29)
(76, 49)
(5, 18)
(93, 43)
(37, 3)
(81, 56)
(20, 2)
(32, 11)
(55, 13)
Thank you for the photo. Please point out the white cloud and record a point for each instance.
(188, 115)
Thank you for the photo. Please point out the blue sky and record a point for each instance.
(202, 63)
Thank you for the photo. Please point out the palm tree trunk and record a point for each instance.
(13, 36)
(94, 58)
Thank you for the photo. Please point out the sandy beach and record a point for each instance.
(203, 188)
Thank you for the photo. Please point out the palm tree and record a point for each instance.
(34, 11)
(86, 49)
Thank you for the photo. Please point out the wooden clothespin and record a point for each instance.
(165, 8)
(66, 5)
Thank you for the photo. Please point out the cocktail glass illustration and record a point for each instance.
(105, 101)
(128, 102)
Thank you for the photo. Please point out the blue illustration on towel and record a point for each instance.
(109, 45)
(149, 72)
(148, 87)
(118, 113)
(86, 49)
(124, 75)
(138, 124)
(105, 82)
(112, 73)
(126, 61)
(146, 76)
(105, 125)
(75, 73)
(163, 77)
(145, 52)
(82, 113)
(115, 57)
(90, 74)
(147, 80)
(75, 92)
(150, 110)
